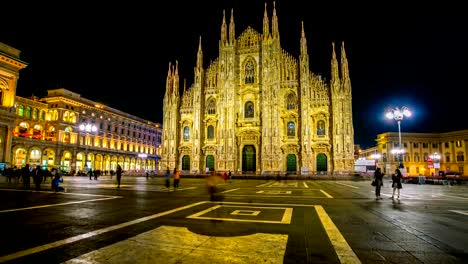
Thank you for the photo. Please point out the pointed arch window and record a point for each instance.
(211, 107)
(291, 129)
(210, 132)
(249, 72)
(186, 133)
(291, 102)
(249, 110)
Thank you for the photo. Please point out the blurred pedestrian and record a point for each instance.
(56, 181)
(167, 179)
(37, 177)
(378, 179)
(176, 176)
(396, 183)
(119, 175)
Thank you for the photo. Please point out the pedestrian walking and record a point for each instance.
(378, 181)
(230, 176)
(26, 174)
(37, 177)
(176, 176)
(396, 183)
(167, 179)
(119, 175)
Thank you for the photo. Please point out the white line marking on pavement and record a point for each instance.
(459, 212)
(347, 185)
(62, 193)
(277, 196)
(286, 219)
(59, 204)
(230, 190)
(326, 194)
(264, 184)
(271, 204)
(305, 185)
(91, 234)
(343, 250)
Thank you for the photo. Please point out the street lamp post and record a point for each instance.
(398, 114)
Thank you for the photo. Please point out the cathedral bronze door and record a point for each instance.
(322, 162)
(186, 162)
(248, 158)
(291, 163)
(210, 162)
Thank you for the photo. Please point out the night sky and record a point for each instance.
(118, 54)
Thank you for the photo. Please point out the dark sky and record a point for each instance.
(118, 53)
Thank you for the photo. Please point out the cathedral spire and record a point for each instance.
(335, 78)
(344, 63)
(185, 86)
(303, 41)
(169, 81)
(199, 55)
(274, 23)
(266, 24)
(176, 79)
(224, 30)
(232, 28)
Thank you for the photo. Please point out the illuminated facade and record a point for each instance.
(10, 65)
(68, 131)
(452, 148)
(256, 108)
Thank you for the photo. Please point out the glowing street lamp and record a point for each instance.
(398, 114)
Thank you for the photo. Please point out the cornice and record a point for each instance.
(13, 62)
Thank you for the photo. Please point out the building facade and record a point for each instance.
(256, 108)
(424, 154)
(68, 131)
(10, 65)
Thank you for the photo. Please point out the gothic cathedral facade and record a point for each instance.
(257, 109)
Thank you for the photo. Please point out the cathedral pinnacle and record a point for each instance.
(266, 24)
(232, 31)
(335, 78)
(169, 80)
(303, 41)
(200, 55)
(224, 29)
(274, 23)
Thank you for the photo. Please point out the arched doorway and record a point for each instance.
(210, 162)
(291, 164)
(248, 158)
(322, 162)
(186, 162)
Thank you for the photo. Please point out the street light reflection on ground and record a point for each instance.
(398, 114)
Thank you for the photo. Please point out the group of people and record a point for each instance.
(396, 183)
